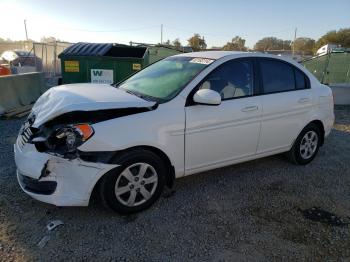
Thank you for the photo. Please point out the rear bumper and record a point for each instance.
(55, 180)
(328, 124)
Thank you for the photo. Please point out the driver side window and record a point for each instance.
(232, 79)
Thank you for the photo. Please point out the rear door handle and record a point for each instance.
(250, 108)
(303, 100)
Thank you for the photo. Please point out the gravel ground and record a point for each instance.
(249, 211)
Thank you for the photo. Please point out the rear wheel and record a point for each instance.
(306, 145)
(136, 184)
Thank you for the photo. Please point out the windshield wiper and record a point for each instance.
(116, 85)
(143, 96)
(132, 92)
(137, 94)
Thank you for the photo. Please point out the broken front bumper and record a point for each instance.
(55, 180)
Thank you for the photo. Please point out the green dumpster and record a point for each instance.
(332, 68)
(101, 63)
(158, 52)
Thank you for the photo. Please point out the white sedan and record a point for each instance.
(180, 116)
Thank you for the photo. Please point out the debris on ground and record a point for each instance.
(53, 224)
(43, 241)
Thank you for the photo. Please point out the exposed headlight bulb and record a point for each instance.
(74, 136)
(71, 140)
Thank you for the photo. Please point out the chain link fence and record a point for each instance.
(45, 55)
(48, 54)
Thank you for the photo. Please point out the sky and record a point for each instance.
(218, 21)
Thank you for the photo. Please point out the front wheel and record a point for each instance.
(306, 145)
(136, 184)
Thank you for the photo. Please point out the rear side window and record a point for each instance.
(300, 80)
(277, 76)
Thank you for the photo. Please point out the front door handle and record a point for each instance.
(250, 108)
(303, 100)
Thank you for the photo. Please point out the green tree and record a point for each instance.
(237, 44)
(340, 37)
(304, 45)
(167, 43)
(197, 42)
(272, 43)
(177, 44)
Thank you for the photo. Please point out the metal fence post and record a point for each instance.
(36, 66)
(46, 55)
(325, 68)
(55, 59)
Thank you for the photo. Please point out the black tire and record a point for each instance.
(107, 186)
(295, 155)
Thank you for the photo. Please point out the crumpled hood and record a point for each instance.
(83, 97)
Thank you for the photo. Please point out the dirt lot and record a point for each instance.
(250, 211)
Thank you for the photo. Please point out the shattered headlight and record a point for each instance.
(67, 139)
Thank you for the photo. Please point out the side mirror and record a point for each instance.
(207, 97)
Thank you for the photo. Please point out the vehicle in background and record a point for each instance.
(183, 115)
(4, 70)
(20, 61)
(326, 49)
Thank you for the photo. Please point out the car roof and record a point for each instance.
(216, 55)
(211, 54)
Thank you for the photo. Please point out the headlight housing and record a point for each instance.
(67, 139)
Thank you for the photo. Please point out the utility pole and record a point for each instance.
(161, 34)
(25, 28)
(295, 36)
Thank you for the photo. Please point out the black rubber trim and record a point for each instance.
(38, 187)
(97, 156)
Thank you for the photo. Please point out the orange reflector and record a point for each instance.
(86, 131)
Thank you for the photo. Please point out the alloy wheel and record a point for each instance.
(308, 144)
(136, 184)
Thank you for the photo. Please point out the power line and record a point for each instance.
(226, 35)
(109, 31)
(196, 31)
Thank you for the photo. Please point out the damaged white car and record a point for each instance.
(182, 115)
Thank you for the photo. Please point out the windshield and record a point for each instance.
(163, 80)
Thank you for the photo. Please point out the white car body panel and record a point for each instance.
(221, 134)
(158, 128)
(195, 138)
(287, 113)
(82, 97)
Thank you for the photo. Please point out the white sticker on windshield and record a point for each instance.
(203, 61)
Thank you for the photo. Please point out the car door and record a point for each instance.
(219, 135)
(287, 99)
